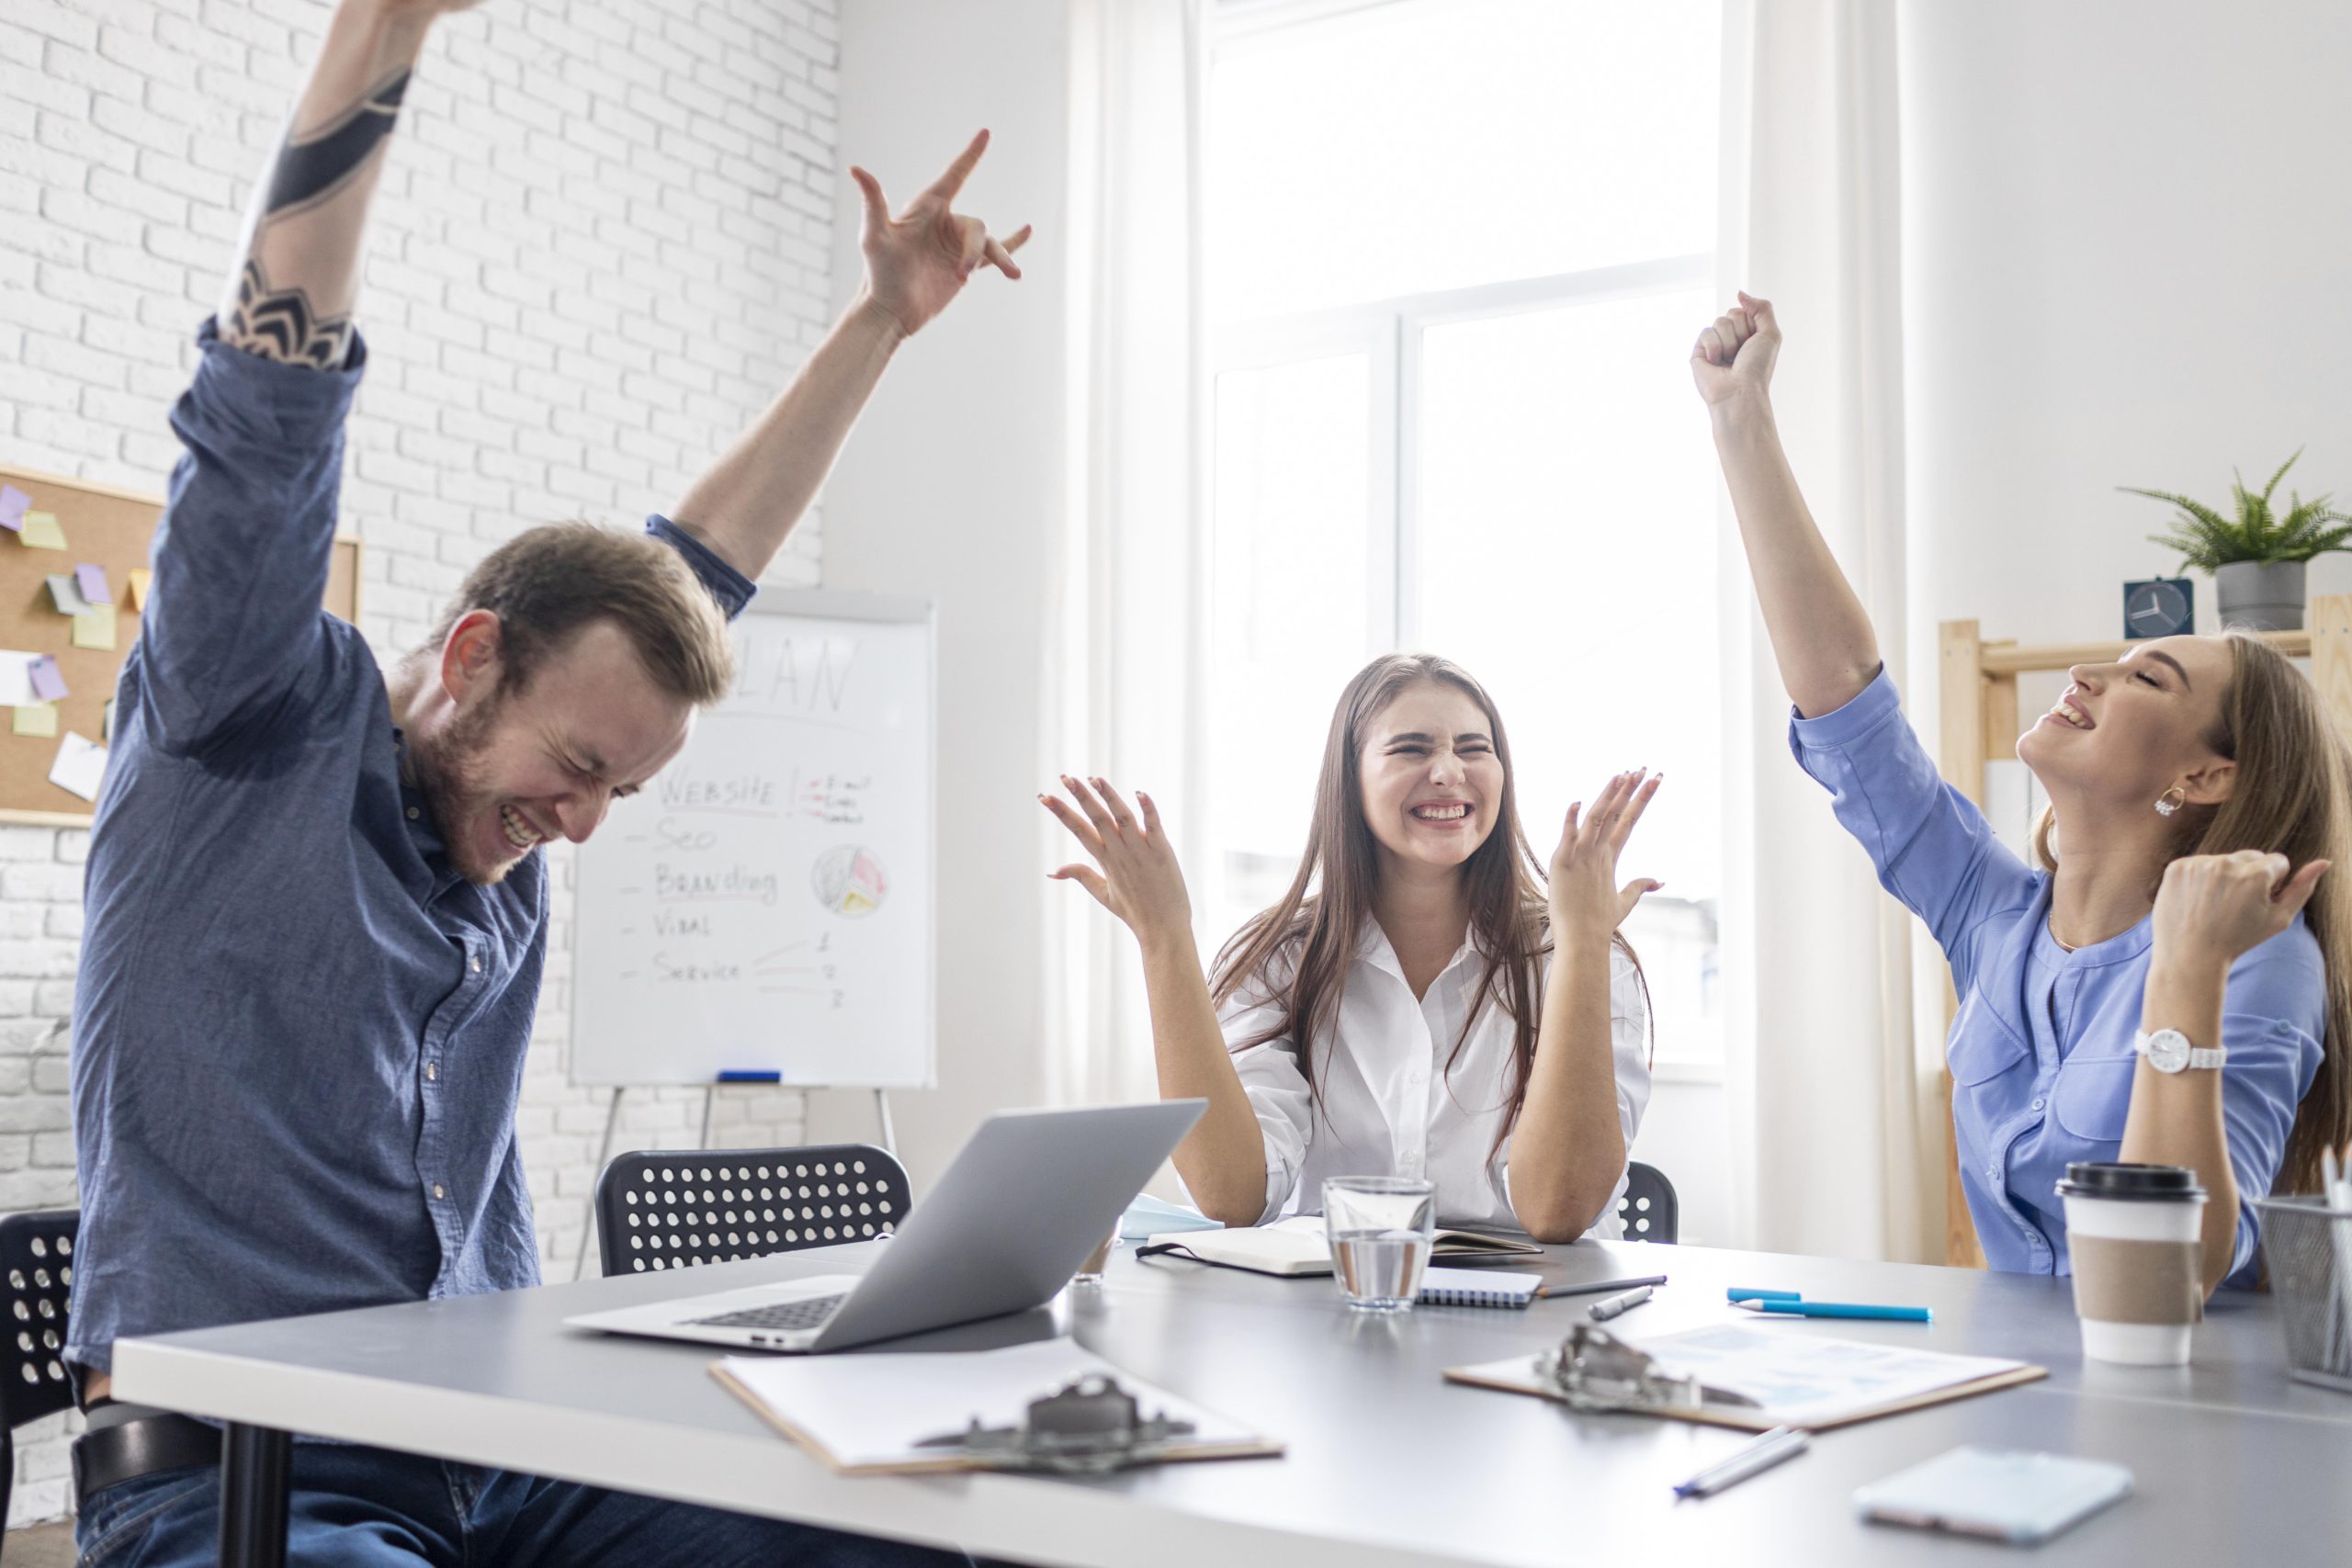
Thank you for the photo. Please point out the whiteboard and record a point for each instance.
(764, 905)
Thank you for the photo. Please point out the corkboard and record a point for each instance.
(110, 528)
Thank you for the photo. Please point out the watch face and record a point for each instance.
(2168, 1050)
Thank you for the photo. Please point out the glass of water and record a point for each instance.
(1091, 1271)
(1381, 1228)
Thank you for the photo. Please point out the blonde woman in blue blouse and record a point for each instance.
(2169, 984)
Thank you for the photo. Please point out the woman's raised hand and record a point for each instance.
(1135, 874)
(2218, 906)
(1586, 900)
(1735, 356)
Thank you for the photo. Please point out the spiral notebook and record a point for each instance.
(1478, 1288)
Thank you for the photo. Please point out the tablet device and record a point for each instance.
(2019, 1497)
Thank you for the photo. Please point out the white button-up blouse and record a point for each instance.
(1389, 1105)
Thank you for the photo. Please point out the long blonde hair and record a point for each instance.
(2292, 796)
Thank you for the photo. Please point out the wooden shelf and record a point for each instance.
(2004, 659)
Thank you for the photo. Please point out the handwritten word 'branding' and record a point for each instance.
(735, 882)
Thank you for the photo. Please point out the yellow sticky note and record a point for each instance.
(139, 578)
(39, 719)
(41, 532)
(94, 628)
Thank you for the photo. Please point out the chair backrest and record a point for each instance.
(37, 1260)
(673, 1208)
(1648, 1208)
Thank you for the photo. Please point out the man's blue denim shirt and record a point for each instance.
(298, 1034)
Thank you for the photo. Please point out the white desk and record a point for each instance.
(1387, 1464)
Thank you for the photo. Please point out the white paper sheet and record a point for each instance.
(869, 1412)
(81, 763)
(1800, 1381)
(17, 679)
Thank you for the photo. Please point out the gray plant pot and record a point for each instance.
(2261, 595)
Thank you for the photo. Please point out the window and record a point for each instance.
(1455, 253)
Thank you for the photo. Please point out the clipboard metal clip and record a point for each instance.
(1595, 1371)
(1088, 1427)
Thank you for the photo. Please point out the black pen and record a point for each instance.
(1587, 1287)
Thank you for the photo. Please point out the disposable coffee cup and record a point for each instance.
(2134, 1233)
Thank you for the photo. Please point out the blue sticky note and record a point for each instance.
(12, 502)
(92, 581)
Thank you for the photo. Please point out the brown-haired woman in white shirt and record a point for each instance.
(1471, 1020)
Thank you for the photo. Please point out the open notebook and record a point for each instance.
(869, 1414)
(1298, 1247)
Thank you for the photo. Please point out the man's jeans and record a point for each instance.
(359, 1508)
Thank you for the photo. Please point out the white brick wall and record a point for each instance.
(602, 246)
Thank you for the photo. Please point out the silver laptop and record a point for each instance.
(1028, 1198)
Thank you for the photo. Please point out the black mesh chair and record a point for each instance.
(37, 1254)
(1648, 1207)
(673, 1208)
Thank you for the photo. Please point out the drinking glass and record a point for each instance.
(1381, 1229)
(1091, 1271)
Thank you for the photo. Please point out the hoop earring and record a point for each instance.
(2166, 803)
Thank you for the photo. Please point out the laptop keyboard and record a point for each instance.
(807, 1312)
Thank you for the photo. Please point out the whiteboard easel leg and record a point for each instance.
(890, 1133)
(604, 1154)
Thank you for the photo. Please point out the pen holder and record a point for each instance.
(2308, 1247)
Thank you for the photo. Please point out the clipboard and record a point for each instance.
(886, 1415)
(1653, 1380)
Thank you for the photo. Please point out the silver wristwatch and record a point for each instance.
(2168, 1051)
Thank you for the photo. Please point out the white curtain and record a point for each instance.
(1126, 685)
(1835, 1148)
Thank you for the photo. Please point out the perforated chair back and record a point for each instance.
(673, 1208)
(1648, 1208)
(37, 1259)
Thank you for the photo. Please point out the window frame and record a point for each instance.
(1390, 334)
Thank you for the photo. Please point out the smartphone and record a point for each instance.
(2020, 1497)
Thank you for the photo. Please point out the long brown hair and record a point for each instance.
(2289, 797)
(1329, 903)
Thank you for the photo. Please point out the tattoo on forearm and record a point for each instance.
(280, 324)
(311, 170)
(314, 168)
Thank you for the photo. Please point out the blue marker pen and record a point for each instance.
(748, 1075)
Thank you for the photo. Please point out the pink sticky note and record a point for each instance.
(12, 502)
(92, 581)
(48, 681)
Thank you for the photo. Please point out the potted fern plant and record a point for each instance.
(2257, 557)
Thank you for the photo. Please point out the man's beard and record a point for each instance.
(449, 776)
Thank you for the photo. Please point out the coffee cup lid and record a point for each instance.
(2092, 1178)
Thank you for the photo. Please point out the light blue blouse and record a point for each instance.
(2040, 1050)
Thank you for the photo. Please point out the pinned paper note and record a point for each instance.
(41, 532)
(12, 502)
(81, 764)
(92, 581)
(17, 679)
(41, 719)
(67, 594)
(94, 628)
(41, 673)
(139, 578)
